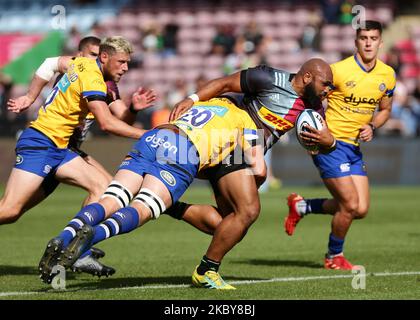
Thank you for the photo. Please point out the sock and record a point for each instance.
(335, 245)
(207, 264)
(122, 221)
(307, 206)
(91, 214)
(86, 253)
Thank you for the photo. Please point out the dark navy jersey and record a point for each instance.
(271, 101)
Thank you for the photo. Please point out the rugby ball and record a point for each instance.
(308, 117)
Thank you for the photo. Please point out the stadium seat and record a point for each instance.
(193, 61)
(242, 17)
(152, 61)
(222, 17)
(331, 31)
(205, 18)
(165, 17)
(185, 19)
(186, 34)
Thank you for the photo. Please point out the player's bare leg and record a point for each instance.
(205, 218)
(79, 173)
(240, 190)
(352, 197)
(21, 188)
(239, 196)
(90, 160)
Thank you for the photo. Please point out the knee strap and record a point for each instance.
(152, 201)
(117, 191)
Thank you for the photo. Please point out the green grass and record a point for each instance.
(165, 252)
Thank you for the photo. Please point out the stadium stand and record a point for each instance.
(292, 32)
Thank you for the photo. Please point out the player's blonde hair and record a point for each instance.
(115, 44)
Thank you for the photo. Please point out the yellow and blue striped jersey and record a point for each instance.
(66, 106)
(216, 127)
(356, 96)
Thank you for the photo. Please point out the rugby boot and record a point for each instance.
(338, 262)
(97, 253)
(90, 265)
(80, 243)
(49, 259)
(210, 280)
(293, 217)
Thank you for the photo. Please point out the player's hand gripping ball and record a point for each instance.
(308, 117)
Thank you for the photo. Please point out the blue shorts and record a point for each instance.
(345, 160)
(166, 155)
(36, 153)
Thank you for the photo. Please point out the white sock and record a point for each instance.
(301, 207)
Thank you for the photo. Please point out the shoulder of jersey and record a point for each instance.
(86, 64)
(342, 62)
(385, 67)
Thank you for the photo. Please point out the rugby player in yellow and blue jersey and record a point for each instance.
(363, 85)
(42, 149)
(155, 174)
(141, 99)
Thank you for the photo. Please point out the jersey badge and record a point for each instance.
(350, 84)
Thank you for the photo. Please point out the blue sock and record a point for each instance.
(314, 206)
(87, 253)
(122, 221)
(335, 245)
(91, 214)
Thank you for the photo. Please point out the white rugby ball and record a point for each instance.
(308, 117)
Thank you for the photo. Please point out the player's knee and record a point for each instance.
(249, 213)
(351, 206)
(120, 194)
(212, 221)
(361, 212)
(152, 201)
(9, 214)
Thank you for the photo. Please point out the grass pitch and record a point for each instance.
(157, 260)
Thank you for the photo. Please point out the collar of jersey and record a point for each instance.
(99, 64)
(361, 65)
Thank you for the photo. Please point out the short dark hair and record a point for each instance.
(369, 25)
(87, 41)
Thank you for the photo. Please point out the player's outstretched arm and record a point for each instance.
(210, 90)
(42, 76)
(22, 103)
(107, 122)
